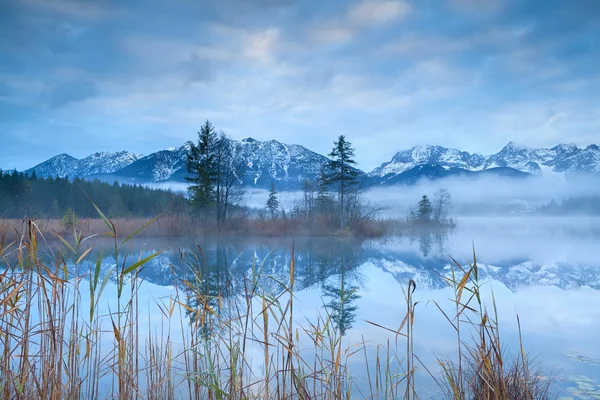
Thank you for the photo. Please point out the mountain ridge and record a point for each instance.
(288, 165)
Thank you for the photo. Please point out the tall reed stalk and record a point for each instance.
(56, 344)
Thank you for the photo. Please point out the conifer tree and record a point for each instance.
(342, 174)
(424, 210)
(201, 166)
(272, 202)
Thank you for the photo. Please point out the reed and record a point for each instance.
(205, 344)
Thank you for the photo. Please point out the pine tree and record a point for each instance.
(272, 202)
(341, 173)
(424, 210)
(201, 165)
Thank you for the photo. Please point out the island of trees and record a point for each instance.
(333, 204)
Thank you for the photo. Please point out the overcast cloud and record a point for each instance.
(106, 75)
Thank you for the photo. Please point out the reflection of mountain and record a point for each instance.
(333, 263)
(516, 274)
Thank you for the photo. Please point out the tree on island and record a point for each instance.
(215, 170)
(424, 210)
(230, 169)
(441, 204)
(342, 174)
(272, 202)
(202, 167)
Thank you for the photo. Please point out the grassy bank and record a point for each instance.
(57, 344)
(184, 226)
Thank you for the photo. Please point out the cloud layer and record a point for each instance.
(79, 76)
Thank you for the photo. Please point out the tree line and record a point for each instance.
(215, 167)
(215, 170)
(27, 195)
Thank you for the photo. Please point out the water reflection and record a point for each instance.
(550, 275)
(207, 286)
(340, 291)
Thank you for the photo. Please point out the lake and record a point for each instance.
(545, 270)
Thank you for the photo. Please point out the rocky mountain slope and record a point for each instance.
(563, 158)
(289, 165)
(65, 166)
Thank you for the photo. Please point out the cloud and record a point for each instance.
(71, 8)
(377, 12)
(261, 46)
(71, 92)
(197, 68)
(389, 74)
(362, 15)
(478, 5)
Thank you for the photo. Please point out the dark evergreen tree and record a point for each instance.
(424, 210)
(341, 174)
(201, 165)
(26, 196)
(272, 202)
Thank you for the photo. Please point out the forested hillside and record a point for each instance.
(23, 195)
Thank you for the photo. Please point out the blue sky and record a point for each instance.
(105, 75)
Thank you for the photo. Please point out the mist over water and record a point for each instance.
(482, 196)
(546, 270)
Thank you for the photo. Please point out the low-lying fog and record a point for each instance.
(470, 197)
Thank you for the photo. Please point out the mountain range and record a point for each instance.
(289, 165)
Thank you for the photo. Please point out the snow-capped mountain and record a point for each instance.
(559, 159)
(287, 165)
(62, 166)
(161, 166)
(422, 155)
(65, 166)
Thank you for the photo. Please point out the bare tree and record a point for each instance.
(441, 204)
(230, 170)
(308, 191)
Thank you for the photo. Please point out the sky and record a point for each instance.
(79, 77)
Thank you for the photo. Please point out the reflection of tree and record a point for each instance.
(431, 239)
(215, 277)
(342, 311)
(425, 243)
(341, 289)
(208, 289)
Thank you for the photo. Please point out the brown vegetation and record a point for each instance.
(180, 226)
(54, 345)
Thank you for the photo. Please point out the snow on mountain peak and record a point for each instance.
(65, 166)
(561, 158)
(288, 165)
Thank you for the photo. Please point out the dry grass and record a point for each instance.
(180, 226)
(57, 346)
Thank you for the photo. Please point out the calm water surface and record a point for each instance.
(545, 270)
